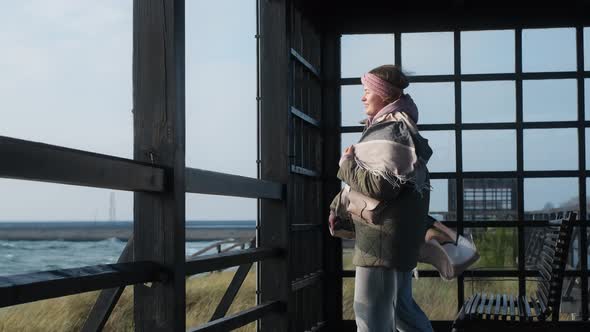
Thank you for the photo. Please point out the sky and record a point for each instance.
(66, 80)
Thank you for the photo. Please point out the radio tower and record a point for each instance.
(112, 208)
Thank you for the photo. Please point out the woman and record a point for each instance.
(387, 198)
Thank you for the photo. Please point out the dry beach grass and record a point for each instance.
(436, 297)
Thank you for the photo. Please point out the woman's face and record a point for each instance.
(373, 102)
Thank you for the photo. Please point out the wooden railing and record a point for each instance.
(21, 160)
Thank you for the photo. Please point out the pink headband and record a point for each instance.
(379, 85)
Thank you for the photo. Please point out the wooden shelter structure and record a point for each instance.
(299, 265)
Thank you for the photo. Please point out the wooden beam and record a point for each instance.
(306, 281)
(332, 259)
(30, 287)
(208, 263)
(306, 118)
(159, 137)
(27, 160)
(108, 298)
(273, 218)
(377, 18)
(306, 64)
(242, 318)
(305, 171)
(200, 181)
(231, 291)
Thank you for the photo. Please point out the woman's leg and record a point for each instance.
(408, 315)
(373, 295)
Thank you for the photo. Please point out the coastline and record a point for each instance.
(13, 231)
(97, 232)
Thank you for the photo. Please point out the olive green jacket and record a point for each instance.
(394, 242)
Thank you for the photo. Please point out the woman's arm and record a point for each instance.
(364, 182)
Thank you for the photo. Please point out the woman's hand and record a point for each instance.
(349, 150)
(347, 154)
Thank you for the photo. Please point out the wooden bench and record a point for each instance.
(534, 247)
(495, 312)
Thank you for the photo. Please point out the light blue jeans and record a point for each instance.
(383, 302)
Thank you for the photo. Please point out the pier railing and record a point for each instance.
(69, 166)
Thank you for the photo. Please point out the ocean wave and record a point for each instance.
(112, 240)
(51, 255)
(60, 244)
(7, 245)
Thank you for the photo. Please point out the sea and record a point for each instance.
(17, 257)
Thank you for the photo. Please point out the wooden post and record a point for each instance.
(273, 277)
(331, 116)
(159, 138)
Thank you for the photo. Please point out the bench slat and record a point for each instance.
(542, 297)
(543, 311)
(512, 309)
(550, 241)
(504, 306)
(497, 309)
(549, 250)
(481, 306)
(544, 273)
(536, 306)
(474, 304)
(490, 305)
(546, 257)
(521, 309)
(467, 306)
(527, 308)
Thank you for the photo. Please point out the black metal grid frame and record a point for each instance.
(520, 174)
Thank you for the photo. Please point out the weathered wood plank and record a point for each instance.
(482, 305)
(219, 243)
(306, 281)
(527, 308)
(466, 308)
(308, 119)
(504, 311)
(513, 312)
(543, 308)
(304, 171)
(305, 63)
(242, 318)
(23, 159)
(497, 308)
(200, 181)
(488, 309)
(346, 19)
(107, 299)
(535, 305)
(274, 109)
(231, 291)
(332, 259)
(30, 287)
(215, 262)
(474, 306)
(306, 227)
(159, 137)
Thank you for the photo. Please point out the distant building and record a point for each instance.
(484, 199)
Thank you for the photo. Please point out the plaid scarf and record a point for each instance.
(395, 151)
